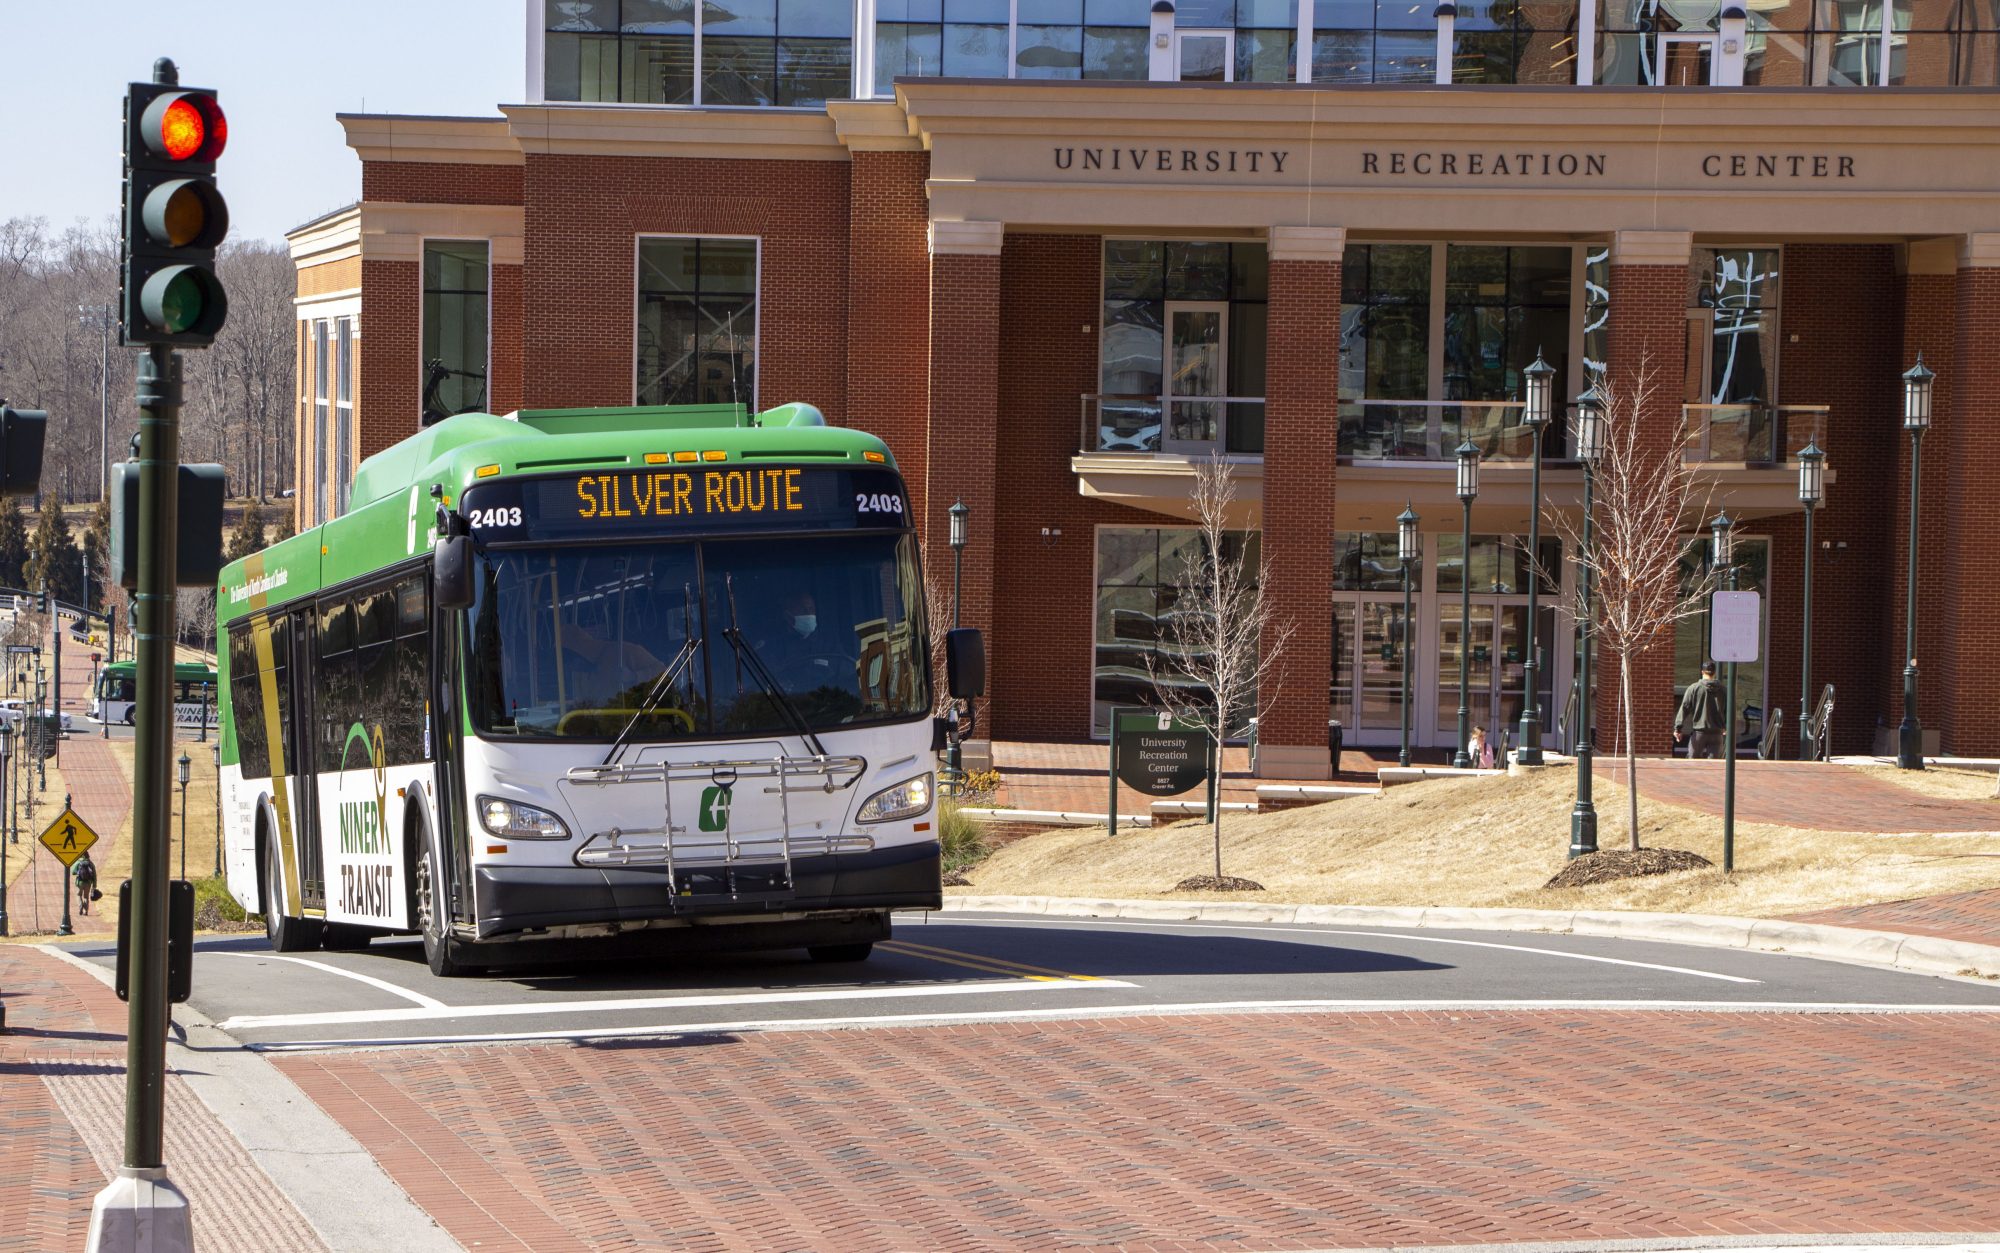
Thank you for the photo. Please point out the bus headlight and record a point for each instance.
(515, 821)
(904, 800)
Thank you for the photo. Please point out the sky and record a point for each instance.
(281, 68)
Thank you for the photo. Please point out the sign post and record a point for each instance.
(67, 839)
(1735, 623)
(1153, 753)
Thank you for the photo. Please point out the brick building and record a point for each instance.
(1320, 242)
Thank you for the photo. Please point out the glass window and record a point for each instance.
(1753, 557)
(1365, 561)
(1740, 288)
(697, 321)
(1140, 277)
(321, 419)
(455, 313)
(1385, 322)
(570, 643)
(754, 52)
(1502, 306)
(1141, 576)
(343, 411)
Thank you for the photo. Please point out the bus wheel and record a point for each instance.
(287, 934)
(440, 949)
(829, 953)
(128, 714)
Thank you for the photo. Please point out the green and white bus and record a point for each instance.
(194, 693)
(572, 674)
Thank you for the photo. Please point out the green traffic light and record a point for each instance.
(181, 306)
(183, 299)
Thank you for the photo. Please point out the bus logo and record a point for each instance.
(714, 808)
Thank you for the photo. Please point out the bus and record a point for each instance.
(566, 675)
(194, 693)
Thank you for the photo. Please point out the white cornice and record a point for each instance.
(673, 131)
(395, 231)
(873, 126)
(332, 238)
(967, 239)
(451, 140)
(1308, 243)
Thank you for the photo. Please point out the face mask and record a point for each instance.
(804, 623)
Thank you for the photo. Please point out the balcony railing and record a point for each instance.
(1752, 434)
(1173, 424)
(1432, 430)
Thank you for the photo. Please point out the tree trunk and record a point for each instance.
(1216, 823)
(1631, 749)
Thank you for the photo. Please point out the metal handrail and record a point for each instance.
(1431, 430)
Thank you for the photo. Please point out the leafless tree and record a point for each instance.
(1647, 494)
(1214, 666)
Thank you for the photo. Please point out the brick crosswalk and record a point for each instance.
(1280, 1132)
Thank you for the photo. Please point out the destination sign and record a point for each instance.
(695, 499)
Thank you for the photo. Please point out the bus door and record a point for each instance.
(448, 751)
(306, 736)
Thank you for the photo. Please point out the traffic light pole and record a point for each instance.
(141, 1208)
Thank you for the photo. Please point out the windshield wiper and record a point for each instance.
(760, 672)
(690, 644)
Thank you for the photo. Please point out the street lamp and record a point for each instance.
(1468, 491)
(1539, 378)
(954, 754)
(1406, 550)
(184, 763)
(6, 751)
(1724, 550)
(1588, 430)
(1916, 420)
(1812, 490)
(215, 755)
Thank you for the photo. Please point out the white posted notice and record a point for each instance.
(1736, 622)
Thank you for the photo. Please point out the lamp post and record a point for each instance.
(103, 317)
(6, 751)
(1725, 563)
(1468, 491)
(215, 755)
(1812, 490)
(184, 763)
(1916, 420)
(954, 754)
(1539, 379)
(1589, 431)
(1406, 550)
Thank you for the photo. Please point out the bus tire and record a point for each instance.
(128, 714)
(826, 954)
(441, 950)
(286, 934)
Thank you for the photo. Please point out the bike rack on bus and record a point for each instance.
(679, 849)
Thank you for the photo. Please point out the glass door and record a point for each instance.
(1205, 56)
(1197, 374)
(1369, 652)
(1479, 667)
(1687, 60)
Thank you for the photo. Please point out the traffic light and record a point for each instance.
(197, 537)
(174, 217)
(21, 432)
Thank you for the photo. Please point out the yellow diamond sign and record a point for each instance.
(68, 837)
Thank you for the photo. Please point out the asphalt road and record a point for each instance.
(959, 968)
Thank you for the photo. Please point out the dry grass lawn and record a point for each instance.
(1489, 842)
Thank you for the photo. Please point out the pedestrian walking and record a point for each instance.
(1702, 716)
(85, 873)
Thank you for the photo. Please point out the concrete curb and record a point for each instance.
(1918, 954)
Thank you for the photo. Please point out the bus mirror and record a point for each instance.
(965, 663)
(451, 573)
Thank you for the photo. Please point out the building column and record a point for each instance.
(1930, 315)
(888, 304)
(962, 441)
(1647, 360)
(1301, 433)
(1958, 554)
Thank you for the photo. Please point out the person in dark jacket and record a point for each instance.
(1702, 715)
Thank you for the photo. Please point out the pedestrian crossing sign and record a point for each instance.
(68, 837)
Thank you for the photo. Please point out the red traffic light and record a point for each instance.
(185, 126)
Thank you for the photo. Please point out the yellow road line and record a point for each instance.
(966, 960)
(1023, 968)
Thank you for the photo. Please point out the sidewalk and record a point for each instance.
(1820, 795)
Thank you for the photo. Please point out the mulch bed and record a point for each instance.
(1209, 883)
(1622, 863)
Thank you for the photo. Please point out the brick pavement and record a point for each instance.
(1819, 795)
(1072, 776)
(1286, 1131)
(62, 1091)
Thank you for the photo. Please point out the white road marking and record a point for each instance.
(427, 1002)
(959, 920)
(438, 1009)
(1169, 1010)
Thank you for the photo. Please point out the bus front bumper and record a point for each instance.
(516, 899)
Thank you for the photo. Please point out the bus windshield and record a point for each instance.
(570, 642)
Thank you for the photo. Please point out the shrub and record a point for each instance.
(963, 837)
(214, 908)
